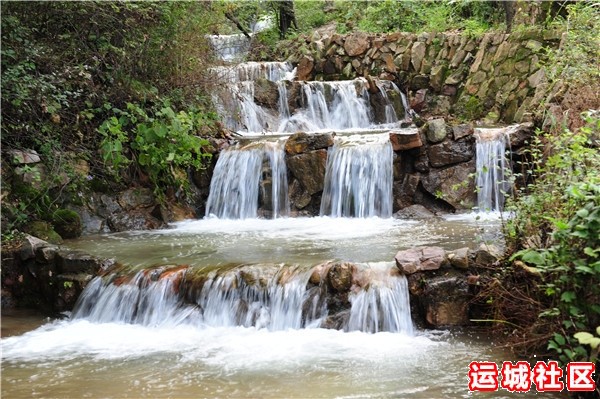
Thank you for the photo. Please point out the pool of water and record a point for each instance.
(303, 241)
(78, 358)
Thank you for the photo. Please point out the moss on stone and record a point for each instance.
(67, 223)
(43, 231)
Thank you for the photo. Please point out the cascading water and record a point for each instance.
(492, 183)
(359, 177)
(263, 296)
(340, 105)
(236, 181)
(384, 306)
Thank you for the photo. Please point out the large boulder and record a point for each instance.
(309, 169)
(445, 301)
(450, 152)
(420, 259)
(455, 185)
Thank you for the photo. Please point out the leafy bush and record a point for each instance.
(161, 144)
(557, 225)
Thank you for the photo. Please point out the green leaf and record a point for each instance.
(585, 338)
(533, 257)
(171, 157)
(560, 340)
(590, 252)
(568, 296)
(582, 213)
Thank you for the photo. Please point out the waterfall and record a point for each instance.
(384, 305)
(492, 184)
(332, 105)
(358, 177)
(339, 105)
(274, 297)
(229, 47)
(390, 113)
(237, 178)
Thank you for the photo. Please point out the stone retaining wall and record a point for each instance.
(497, 74)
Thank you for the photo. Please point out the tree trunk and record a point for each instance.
(237, 23)
(287, 17)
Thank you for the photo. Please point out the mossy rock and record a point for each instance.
(67, 223)
(43, 231)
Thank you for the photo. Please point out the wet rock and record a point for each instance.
(460, 258)
(135, 198)
(404, 191)
(446, 302)
(420, 259)
(454, 185)
(339, 276)
(436, 130)
(356, 43)
(76, 262)
(449, 153)
(301, 142)
(414, 212)
(337, 321)
(405, 139)
(266, 93)
(138, 219)
(309, 169)
(299, 197)
(319, 273)
(521, 134)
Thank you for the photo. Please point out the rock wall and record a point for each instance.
(434, 166)
(37, 274)
(497, 74)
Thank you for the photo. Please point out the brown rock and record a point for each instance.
(463, 130)
(420, 259)
(356, 43)
(305, 68)
(301, 142)
(309, 169)
(446, 302)
(405, 139)
(340, 276)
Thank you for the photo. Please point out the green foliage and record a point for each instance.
(558, 224)
(586, 338)
(66, 68)
(578, 58)
(161, 143)
(474, 17)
